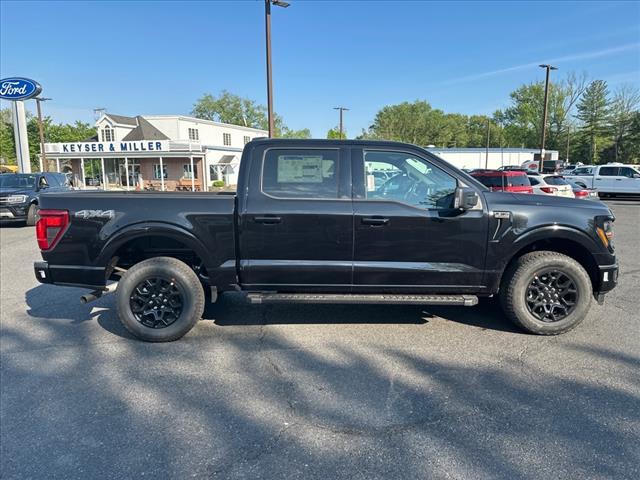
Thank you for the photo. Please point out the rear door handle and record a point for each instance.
(269, 220)
(375, 221)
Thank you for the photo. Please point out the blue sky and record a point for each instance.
(159, 57)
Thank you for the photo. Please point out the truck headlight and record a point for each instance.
(605, 232)
(17, 199)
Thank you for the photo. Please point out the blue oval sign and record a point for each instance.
(19, 88)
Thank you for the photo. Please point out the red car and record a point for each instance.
(504, 180)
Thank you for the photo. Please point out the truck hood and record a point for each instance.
(515, 202)
(5, 192)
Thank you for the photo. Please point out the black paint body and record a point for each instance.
(252, 241)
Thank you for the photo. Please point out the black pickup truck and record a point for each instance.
(325, 221)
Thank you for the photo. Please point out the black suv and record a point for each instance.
(20, 192)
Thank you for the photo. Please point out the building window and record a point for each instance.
(247, 140)
(194, 134)
(156, 171)
(186, 171)
(108, 135)
(226, 138)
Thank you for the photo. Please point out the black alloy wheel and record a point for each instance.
(157, 302)
(552, 295)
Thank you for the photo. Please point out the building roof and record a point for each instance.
(121, 119)
(144, 131)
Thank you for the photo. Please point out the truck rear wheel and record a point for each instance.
(159, 299)
(546, 293)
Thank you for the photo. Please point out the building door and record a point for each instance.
(296, 225)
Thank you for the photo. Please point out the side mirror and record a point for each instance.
(636, 175)
(42, 184)
(465, 198)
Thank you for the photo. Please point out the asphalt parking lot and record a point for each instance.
(327, 392)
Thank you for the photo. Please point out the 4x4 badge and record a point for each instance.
(85, 214)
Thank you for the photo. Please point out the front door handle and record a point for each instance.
(269, 220)
(375, 221)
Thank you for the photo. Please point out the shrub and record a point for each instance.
(218, 183)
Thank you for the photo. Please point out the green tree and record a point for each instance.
(593, 113)
(288, 133)
(624, 107)
(334, 133)
(7, 145)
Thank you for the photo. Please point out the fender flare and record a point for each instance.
(140, 230)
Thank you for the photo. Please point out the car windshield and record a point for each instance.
(555, 181)
(12, 180)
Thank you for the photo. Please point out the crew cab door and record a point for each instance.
(408, 236)
(296, 224)
(627, 181)
(605, 179)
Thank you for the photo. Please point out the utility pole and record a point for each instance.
(486, 160)
(267, 28)
(43, 155)
(544, 112)
(568, 139)
(341, 109)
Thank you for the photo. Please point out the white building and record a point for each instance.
(471, 158)
(160, 152)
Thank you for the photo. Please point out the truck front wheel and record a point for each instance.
(159, 299)
(546, 293)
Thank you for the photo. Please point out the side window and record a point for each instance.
(609, 171)
(627, 172)
(300, 173)
(533, 181)
(411, 180)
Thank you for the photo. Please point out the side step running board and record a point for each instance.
(464, 300)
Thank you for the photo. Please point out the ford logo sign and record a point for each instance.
(18, 88)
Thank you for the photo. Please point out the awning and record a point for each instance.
(226, 159)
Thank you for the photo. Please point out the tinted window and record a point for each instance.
(627, 172)
(533, 181)
(495, 181)
(583, 171)
(53, 180)
(517, 181)
(413, 180)
(555, 181)
(12, 180)
(300, 173)
(609, 171)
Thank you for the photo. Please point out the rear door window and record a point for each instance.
(518, 181)
(609, 171)
(300, 173)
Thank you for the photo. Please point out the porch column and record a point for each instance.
(126, 172)
(193, 175)
(84, 177)
(41, 164)
(58, 165)
(161, 175)
(104, 174)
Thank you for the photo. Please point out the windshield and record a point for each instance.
(17, 181)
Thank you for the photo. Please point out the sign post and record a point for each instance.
(16, 90)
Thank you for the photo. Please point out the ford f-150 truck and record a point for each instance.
(312, 222)
(610, 179)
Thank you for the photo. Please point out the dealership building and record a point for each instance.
(153, 152)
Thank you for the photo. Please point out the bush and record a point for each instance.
(218, 183)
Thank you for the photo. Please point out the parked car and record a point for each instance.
(551, 185)
(515, 181)
(583, 193)
(307, 225)
(610, 179)
(20, 194)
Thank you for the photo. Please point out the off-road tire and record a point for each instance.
(192, 296)
(32, 214)
(520, 274)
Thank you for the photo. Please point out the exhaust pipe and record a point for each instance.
(96, 294)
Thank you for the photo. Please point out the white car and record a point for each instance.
(551, 185)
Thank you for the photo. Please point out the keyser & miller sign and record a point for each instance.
(18, 88)
(106, 147)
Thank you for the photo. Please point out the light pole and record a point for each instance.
(341, 109)
(544, 112)
(43, 155)
(486, 159)
(267, 28)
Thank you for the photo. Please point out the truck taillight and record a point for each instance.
(50, 227)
